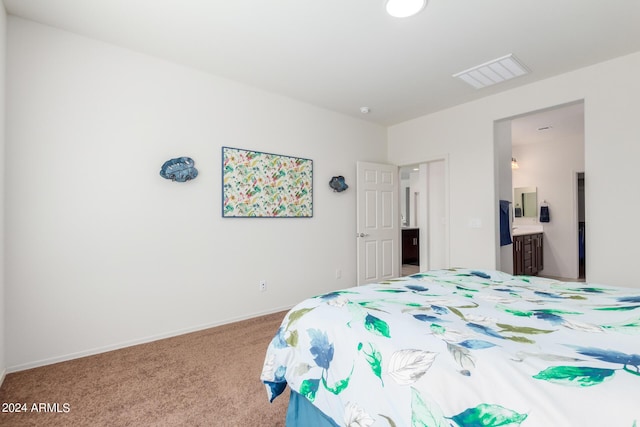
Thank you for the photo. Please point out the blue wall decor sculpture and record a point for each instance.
(180, 169)
(338, 184)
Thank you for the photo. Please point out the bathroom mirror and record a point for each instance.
(525, 202)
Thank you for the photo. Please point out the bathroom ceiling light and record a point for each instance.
(514, 163)
(492, 72)
(405, 8)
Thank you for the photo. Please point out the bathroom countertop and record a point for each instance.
(521, 230)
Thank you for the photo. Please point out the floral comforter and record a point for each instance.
(464, 348)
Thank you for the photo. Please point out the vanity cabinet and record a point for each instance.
(411, 246)
(528, 255)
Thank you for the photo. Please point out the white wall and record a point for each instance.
(611, 92)
(3, 32)
(415, 181)
(470, 185)
(551, 167)
(436, 219)
(103, 252)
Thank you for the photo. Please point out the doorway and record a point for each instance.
(424, 213)
(548, 146)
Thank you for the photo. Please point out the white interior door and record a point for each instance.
(378, 231)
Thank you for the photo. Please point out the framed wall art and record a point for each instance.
(265, 185)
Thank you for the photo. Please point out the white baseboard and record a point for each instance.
(3, 374)
(91, 352)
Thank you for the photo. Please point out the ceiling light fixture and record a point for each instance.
(492, 72)
(405, 8)
(514, 163)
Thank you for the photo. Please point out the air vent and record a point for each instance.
(492, 72)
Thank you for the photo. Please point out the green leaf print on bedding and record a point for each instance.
(374, 359)
(425, 413)
(308, 389)
(292, 339)
(377, 326)
(618, 308)
(580, 376)
(631, 326)
(518, 313)
(486, 415)
(339, 385)
(294, 316)
(523, 329)
(457, 313)
(517, 338)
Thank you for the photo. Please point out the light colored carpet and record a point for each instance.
(206, 378)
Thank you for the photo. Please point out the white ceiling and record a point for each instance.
(562, 123)
(345, 54)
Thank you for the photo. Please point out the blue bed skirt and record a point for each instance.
(301, 413)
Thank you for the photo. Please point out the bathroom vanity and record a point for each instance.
(411, 246)
(528, 254)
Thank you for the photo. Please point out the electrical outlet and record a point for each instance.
(262, 285)
(338, 273)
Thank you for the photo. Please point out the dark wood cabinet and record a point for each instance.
(538, 252)
(411, 246)
(528, 254)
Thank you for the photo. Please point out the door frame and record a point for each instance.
(424, 237)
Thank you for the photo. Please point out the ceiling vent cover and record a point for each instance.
(492, 72)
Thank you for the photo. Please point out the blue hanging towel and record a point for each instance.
(544, 213)
(505, 232)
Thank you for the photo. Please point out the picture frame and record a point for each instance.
(257, 184)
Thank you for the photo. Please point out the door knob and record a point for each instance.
(361, 235)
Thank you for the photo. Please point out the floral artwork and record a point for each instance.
(257, 184)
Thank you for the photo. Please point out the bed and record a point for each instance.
(461, 347)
